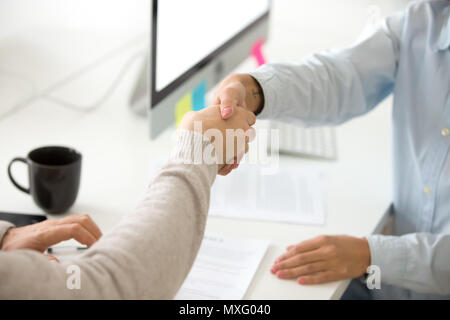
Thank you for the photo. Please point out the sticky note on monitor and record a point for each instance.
(257, 52)
(199, 97)
(182, 107)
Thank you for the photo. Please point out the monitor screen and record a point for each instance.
(189, 31)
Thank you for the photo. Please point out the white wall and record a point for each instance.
(301, 27)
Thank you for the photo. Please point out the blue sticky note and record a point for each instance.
(199, 97)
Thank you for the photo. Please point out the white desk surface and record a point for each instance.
(117, 153)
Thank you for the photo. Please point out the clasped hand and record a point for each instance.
(231, 137)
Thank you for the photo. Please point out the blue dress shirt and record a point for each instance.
(408, 55)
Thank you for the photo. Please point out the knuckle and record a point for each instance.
(189, 114)
(329, 250)
(309, 268)
(75, 228)
(324, 238)
(332, 249)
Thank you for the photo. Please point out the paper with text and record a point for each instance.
(292, 195)
(223, 269)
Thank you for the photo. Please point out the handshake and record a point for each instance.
(228, 122)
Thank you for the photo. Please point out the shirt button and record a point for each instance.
(427, 190)
(445, 132)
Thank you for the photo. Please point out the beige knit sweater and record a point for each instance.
(146, 256)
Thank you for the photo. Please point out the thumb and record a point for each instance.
(230, 98)
(227, 108)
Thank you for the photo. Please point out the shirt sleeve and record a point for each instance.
(336, 85)
(4, 226)
(418, 261)
(146, 256)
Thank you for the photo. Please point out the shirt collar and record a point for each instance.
(443, 41)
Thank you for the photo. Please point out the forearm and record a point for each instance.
(322, 89)
(148, 255)
(4, 227)
(333, 86)
(419, 261)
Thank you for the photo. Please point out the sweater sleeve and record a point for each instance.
(147, 255)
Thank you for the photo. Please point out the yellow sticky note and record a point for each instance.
(182, 107)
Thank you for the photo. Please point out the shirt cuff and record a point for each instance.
(266, 77)
(390, 255)
(4, 226)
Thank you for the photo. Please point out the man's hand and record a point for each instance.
(240, 123)
(239, 90)
(41, 236)
(324, 259)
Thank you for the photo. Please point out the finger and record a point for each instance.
(321, 277)
(251, 118)
(86, 221)
(308, 245)
(226, 170)
(50, 257)
(64, 232)
(251, 134)
(299, 260)
(305, 270)
(230, 97)
(227, 106)
(240, 147)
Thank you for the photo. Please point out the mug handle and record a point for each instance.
(18, 186)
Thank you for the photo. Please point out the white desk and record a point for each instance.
(117, 153)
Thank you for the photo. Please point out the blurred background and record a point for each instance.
(50, 46)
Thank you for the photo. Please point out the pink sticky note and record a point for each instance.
(257, 52)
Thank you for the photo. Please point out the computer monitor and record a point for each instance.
(194, 44)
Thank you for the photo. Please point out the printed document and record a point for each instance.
(291, 195)
(223, 269)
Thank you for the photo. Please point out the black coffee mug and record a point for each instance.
(54, 177)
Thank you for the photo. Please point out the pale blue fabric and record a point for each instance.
(407, 55)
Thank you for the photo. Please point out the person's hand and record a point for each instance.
(42, 235)
(324, 259)
(238, 90)
(240, 123)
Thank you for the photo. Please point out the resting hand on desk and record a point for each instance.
(41, 236)
(324, 259)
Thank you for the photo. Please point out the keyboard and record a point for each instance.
(318, 142)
